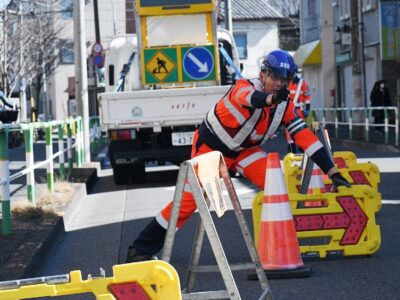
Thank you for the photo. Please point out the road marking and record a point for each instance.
(385, 164)
(390, 201)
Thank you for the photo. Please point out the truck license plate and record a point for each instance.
(182, 138)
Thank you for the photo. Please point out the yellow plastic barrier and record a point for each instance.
(154, 280)
(342, 159)
(344, 225)
(355, 173)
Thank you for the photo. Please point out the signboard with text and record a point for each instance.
(390, 30)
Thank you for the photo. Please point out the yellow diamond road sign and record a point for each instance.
(160, 66)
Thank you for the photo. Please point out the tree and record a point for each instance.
(32, 46)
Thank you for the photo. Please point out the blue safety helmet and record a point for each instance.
(280, 63)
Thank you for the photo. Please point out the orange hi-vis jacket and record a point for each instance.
(242, 119)
(300, 94)
(236, 126)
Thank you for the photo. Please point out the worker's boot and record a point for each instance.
(148, 243)
(135, 256)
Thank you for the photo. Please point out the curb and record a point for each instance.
(56, 232)
(365, 145)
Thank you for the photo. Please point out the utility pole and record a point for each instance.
(114, 18)
(81, 73)
(96, 20)
(228, 15)
(356, 51)
(362, 54)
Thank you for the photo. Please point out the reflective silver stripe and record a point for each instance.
(302, 124)
(290, 126)
(240, 170)
(256, 137)
(293, 127)
(276, 121)
(296, 97)
(163, 223)
(257, 84)
(237, 114)
(251, 159)
(244, 132)
(243, 90)
(313, 148)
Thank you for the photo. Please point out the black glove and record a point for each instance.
(281, 95)
(339, 180)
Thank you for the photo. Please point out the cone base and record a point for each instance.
(300, 272)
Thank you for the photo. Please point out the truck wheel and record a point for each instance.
(121, 174)
(138, 172)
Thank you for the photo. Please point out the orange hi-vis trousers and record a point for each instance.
(250, 163)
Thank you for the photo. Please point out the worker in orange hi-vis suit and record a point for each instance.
(247, 115)
(301, 98)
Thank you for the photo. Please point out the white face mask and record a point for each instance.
(382, 86)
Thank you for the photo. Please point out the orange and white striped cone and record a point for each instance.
(278, 246)
(316, 186)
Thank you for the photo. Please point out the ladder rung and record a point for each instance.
(207, 295)
(215, 268)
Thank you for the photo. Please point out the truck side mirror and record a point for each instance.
(111, 75)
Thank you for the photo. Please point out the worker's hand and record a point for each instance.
(280, 96)
(339, 180)
(306, 113)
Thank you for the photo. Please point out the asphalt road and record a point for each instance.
(112, 216)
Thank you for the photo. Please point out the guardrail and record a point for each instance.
(73, 129)
(358, 116)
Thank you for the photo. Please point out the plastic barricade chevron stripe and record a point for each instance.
(345, 225)
(141, 281)
(355, 173)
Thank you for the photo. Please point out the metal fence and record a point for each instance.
(70, 128)
(349, 118)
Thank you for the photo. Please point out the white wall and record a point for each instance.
(58, 82)
(262, 37)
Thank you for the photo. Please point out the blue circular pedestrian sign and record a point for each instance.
(198, 63)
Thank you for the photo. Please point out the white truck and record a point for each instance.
(155, 122)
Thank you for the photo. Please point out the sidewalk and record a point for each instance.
(31, 236)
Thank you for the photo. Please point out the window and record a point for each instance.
(66, 9)
(344, 9)
(368, 5)
(241, 44)
(67, 52)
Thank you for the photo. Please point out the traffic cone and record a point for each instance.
(316, 186)
(278, 246)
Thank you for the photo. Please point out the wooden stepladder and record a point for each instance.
(204, 174)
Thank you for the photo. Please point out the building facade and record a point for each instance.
(341, 40)
(112, 15)
(255, 27)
